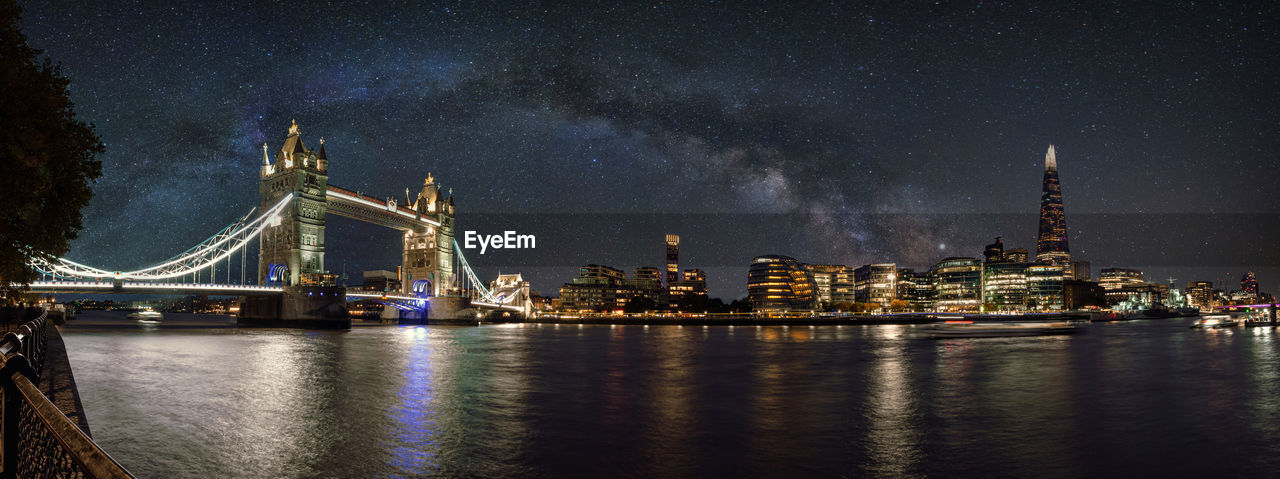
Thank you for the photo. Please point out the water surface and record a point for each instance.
(1146, 398)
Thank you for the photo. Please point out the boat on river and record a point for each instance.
(146, 316)
(1214, 321)
(970, 329)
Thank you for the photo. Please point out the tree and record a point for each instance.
(861, 307)
(693, 303)
(640, 304)
(716, 305)
(899, 306)
(47, 159)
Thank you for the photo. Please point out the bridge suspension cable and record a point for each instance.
(205, 255)
(470, 276)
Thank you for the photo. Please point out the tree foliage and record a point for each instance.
(640, 304)
(47, 158)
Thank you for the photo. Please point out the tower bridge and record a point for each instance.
(293, 287)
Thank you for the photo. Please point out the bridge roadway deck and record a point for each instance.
(138, 287)
(354, 205)
(128, 287)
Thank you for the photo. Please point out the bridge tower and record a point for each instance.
(292, 251)
(428, 260)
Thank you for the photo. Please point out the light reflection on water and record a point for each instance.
(414, 448)
(891, 439)
(1139, 398)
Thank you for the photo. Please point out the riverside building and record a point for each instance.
(597, 288)
(1004, 286)
(647, 279)
(876, 283)
(917, 289)
(957, 284)
(1045, 287)
(673, 259)
(1004, 279)
(824, 276)
(690, 291)
(1078, 295)
(1115, 278)
(1200, 293)
(1121, 283)
(777, 283)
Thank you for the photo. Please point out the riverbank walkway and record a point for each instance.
(43, 428)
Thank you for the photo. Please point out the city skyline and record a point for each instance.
(656, 239)
(859, 119)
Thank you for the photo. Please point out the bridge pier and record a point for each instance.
(450, 308)
(440, 310)
(390, 313)
(312, 307)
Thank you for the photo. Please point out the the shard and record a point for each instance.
(1051, 247)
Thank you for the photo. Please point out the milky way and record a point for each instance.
(857, 118)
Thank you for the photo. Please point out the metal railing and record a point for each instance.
(36, 438)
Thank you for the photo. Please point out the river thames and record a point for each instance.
(1142, 398)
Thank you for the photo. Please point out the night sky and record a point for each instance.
(854, 119)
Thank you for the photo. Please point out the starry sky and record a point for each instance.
(831, 132)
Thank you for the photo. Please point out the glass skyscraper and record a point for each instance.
(1051, 247)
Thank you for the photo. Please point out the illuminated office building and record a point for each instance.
(673, 259)
(647, 279)
(1123, 284)
(917, 289)
(1004, 286)
(778, 283)
(824, 275)
(1249, 283)
(1200, 293)
(1116, 278)
(690, 293)
(876, 283)
(842, 286)
(597, 288)
(1004, 281)
(692, 282)
(1016, 255)
(1044, 287)
(1139, 293)
(957, 284)
(906, 283)
(380, 281)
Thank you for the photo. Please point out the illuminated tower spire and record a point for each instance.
(1051, 247)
